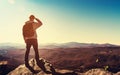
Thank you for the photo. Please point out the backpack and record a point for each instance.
(28, 30)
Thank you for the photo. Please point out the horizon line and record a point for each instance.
(61, 43)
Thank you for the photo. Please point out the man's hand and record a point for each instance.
(36, 18)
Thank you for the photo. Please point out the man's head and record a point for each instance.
(32, 17)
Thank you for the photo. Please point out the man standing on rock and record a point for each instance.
(30, 38)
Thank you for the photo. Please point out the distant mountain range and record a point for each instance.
(56, 45)
(10, 46)
(77, 45)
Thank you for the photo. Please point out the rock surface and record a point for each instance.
(22, 70)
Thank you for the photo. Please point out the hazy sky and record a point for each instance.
(85, 21)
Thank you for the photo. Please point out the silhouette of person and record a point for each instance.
(32, 41)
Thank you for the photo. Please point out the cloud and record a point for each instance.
(11, 1)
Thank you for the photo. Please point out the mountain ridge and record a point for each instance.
(57, 45)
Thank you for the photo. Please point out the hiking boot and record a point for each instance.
(35, 71)
(41, 65)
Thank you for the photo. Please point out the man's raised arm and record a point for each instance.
(39, 22)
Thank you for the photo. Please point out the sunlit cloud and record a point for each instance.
(11, 1)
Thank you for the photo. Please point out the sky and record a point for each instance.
(84, 21)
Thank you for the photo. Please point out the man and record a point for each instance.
(30, 38)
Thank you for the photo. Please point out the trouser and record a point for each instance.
(29, 43)
(40, 63)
